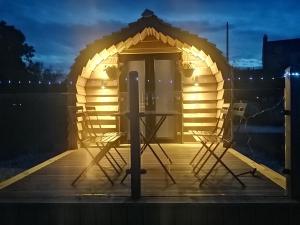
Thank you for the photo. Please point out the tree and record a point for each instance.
(15, 53)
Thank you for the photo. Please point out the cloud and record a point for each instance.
(58, 29)
(246, 62)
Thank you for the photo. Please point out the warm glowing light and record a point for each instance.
(100, 73)
(202, 65)
(196, 71)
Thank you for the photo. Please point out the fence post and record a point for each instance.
(292, 134)
(135, 155)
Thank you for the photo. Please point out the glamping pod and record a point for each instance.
(177, 71)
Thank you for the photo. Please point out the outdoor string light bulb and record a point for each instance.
(295, 74)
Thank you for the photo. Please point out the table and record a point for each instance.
(162, 117)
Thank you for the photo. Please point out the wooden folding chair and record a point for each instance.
(86, 140)
(217, 131)
(91, 111)
(237, 111)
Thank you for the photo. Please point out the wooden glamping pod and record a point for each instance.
(177, 71)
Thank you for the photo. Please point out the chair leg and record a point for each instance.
(124, 178)
(111, 163)
(199, 161)
(208, 157)
(120, 156)
(116, 162)
(219, 160)
(106, 150)
(203, 156)
(164, 152)
(195, 156)
(163, 166)
(83, 172)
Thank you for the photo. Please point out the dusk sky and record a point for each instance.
(58, 29)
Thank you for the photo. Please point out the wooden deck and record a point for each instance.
(53, 180)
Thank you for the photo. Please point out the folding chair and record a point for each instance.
(217, 131)
(86, 140)
(237, 111)
(91, 111)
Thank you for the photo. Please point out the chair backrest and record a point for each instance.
(237, 111)
(94, 121)
(219, 129)
(79, 123)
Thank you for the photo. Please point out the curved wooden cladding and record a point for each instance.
(202, 97)
(202, 94)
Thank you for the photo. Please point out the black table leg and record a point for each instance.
(147, 144)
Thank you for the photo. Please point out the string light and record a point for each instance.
(288, 74)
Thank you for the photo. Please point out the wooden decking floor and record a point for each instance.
(54, 180)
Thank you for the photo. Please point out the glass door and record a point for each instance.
(164, 71)
(157, 87)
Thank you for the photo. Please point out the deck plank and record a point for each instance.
(54, 180)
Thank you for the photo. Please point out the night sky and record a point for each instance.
(58, 29)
